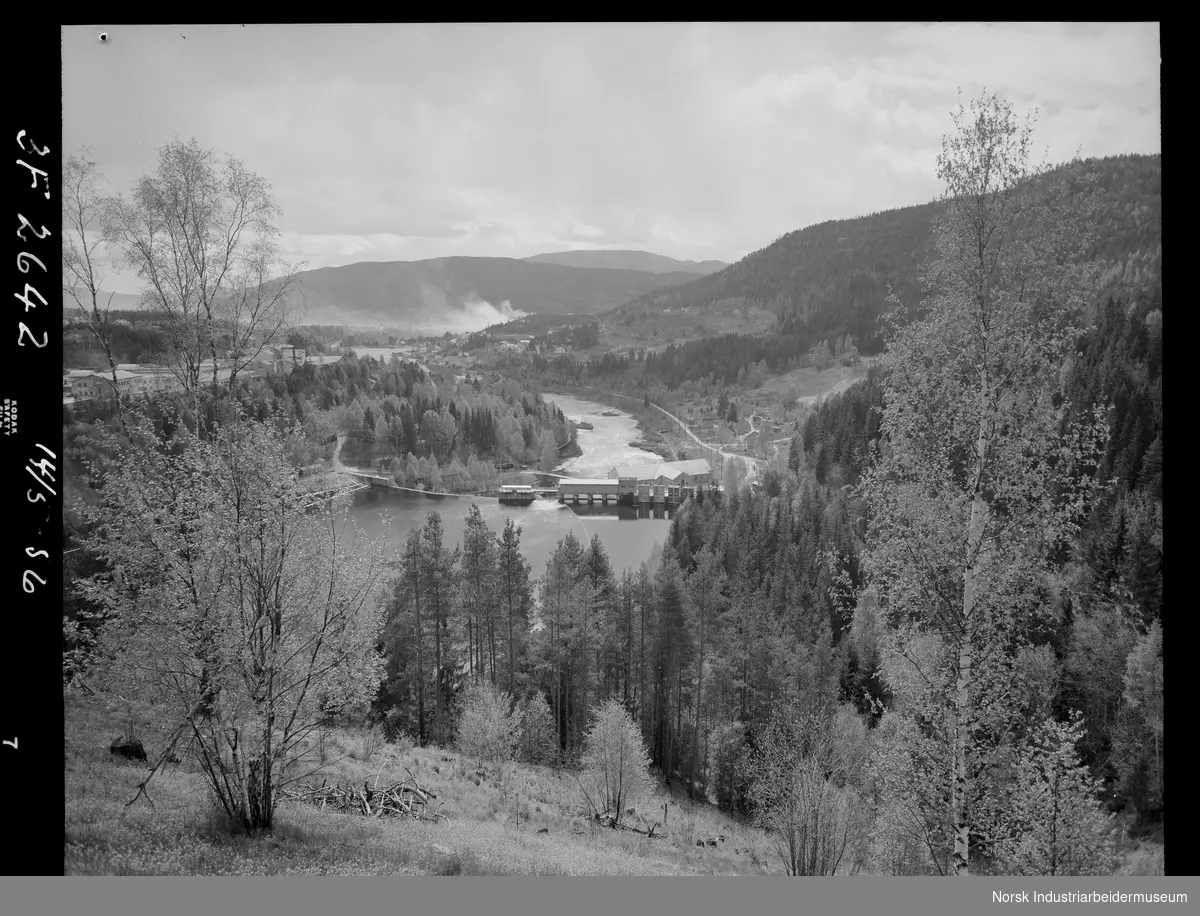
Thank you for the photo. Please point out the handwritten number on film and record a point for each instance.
(41, 469)
(25, 258)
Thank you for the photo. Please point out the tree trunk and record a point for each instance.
(966, 654)
(584, 661)
(437, 677)
(511, 647)
(627, 662)
(492, 649)
(699, 696)
(643, 706)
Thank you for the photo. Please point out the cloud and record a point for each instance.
(404, 142)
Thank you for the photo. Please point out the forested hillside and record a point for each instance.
(446, 291)
(833, 279)
(420, 429)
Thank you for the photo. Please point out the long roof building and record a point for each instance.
(670, 470)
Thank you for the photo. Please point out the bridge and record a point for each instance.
(374, 480)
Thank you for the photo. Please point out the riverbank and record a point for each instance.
(618, 436)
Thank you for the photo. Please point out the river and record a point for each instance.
(627, 538)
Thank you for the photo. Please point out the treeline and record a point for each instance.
(422, 429)
(727, 359)
(130, 344)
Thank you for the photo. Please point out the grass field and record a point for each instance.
(180, 833)
(810, 384)
(517, 820)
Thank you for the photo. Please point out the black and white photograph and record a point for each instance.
(613, 449)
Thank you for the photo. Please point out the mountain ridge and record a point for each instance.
(459, 292)
(626, 259)
(833, 278)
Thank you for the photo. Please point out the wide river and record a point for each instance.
(627, 538)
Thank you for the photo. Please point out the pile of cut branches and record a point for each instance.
(402, 799)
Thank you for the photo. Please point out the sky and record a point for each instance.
(696, 141)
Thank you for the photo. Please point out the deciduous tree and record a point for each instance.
(616, 767)
(236, 616)
(200, 234)
(983, 478)
(489, 726)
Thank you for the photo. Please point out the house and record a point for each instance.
(96, 385)
(154, 378)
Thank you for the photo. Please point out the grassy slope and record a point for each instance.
(180, 835)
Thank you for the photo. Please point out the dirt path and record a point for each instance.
(754, 464)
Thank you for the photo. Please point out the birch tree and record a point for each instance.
(489, 726)
(200, 235)
(235, 617)
(83, 204)
(616, 766)
(983, 478)
(1048, 819)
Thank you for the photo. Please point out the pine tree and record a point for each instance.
(513, 592)
(477, 591)
(795, 455)
(438, 573)
(706, 591)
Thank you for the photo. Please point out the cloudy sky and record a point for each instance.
(401, 142)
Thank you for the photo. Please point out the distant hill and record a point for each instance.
(465, 293)
(627, 260)
(833, 278)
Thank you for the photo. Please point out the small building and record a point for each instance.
(517, 494)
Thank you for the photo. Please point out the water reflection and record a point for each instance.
(394, 513)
